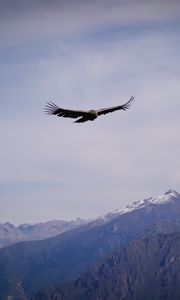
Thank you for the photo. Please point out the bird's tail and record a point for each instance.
(50, 108)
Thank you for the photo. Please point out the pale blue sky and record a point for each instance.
(87, 54)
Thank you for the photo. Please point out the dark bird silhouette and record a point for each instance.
(84, 115)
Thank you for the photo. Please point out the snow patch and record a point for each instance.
(169, 196)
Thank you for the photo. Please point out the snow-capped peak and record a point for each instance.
(169, 196)
(172, 193)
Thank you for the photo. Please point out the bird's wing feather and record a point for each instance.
(52, 109)
(125, 106)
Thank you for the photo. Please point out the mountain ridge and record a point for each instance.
(39, 264)
(10, 234)
(170, 195)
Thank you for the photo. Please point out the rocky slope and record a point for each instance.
(145, 269)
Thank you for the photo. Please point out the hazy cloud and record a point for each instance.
(26, 20)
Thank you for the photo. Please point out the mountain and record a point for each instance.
(27, 267)
(9, 234)
(144, 269)
(170, 196)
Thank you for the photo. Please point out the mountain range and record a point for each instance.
(27, 267)
(10, 234)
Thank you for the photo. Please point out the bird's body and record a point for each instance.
(83, 115)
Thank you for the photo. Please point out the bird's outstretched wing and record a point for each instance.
(52, 109)
(125, 106)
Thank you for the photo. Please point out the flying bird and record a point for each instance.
(84, 115)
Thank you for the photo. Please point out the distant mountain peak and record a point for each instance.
(166, 198)
(169, 196)
(172, 193)
(162, 199)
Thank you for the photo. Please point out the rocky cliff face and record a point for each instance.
(144, 269)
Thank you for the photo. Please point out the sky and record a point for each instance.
(87, 54)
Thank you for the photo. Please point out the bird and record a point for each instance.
(84, 115)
